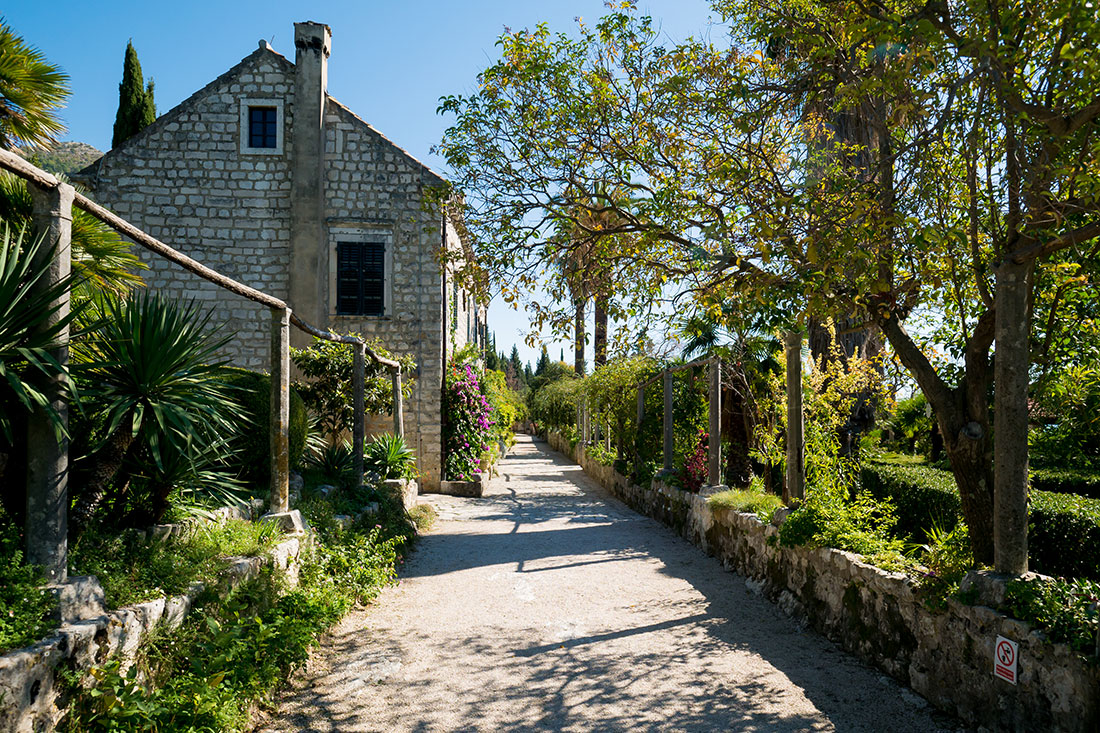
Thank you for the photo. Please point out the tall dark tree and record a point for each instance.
(136, 108)
(543, 363)
(517, 366)
(528, 375)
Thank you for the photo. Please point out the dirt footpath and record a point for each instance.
(549, 605)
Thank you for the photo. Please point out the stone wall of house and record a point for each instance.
(185, 181)
(373, 186)
(946, 656)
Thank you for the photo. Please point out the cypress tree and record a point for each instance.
(543, 363)
(136, 108)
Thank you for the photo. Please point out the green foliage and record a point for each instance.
(329, 368)
(153, 370)
(1083, 482)
(1065, 610)
(752, 500)
(101, 260)
(32, 93)
(25, 605)
(601, 455)
(507, 406)
(252, 447)
(912, 424)
(1071, 400)
(946, 557)
(133, 569)
(554, 404)
(136, 109)
(1064, 535)
(924, 497)
(336, 463)
(26, 333)
(389, 457)
(1063, 529)
(862, 525)
(208, 674)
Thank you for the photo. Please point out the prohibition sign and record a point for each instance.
(1004, 659)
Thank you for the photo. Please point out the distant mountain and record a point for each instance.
(66, 158)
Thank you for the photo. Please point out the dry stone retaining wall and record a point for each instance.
(945, 656)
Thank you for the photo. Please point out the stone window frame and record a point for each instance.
(280, 125)
(359, 233)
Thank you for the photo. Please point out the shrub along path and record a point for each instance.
(547, 605)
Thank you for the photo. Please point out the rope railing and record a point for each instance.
(282, 317)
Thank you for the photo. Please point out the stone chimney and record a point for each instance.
(308, 253)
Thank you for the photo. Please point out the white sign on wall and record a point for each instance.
(1005, 655)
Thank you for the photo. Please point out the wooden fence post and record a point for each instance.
(714, 463)
(398, 405)
(668, 443)
(358, 429)
(280, 410)
(796, 445)
(47, 521)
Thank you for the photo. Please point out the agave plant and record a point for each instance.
(389, 457)
(336, 462)
(28, 329)
(153, 371)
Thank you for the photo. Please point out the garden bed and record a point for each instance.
(31, 698)
(946, 656)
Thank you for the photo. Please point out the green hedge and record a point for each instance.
(924, 497)
(253, 391)
(1064, 535)
(1066, 481)
(1063, 531)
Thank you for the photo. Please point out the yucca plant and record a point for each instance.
(336, 462)
(389, 457)
(153, 370)
(27, 335)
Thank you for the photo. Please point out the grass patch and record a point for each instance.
(752, 500)
(132, 569)
(424, 517)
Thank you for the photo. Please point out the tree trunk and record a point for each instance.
(578, 337)
(738, 463)
(795, 487)
(971, 464)
(108, 460)
(1010, 454)
(600, 334)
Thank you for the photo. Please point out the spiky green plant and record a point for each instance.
(29, 322)
(389, 456)
(154, 371)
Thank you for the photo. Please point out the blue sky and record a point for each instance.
(390, 63)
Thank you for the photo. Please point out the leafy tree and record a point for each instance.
(32, 92)
(975, 175)
(136, 108)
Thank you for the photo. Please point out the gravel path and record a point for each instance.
(549, 605)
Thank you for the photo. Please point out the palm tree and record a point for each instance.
(32, 92)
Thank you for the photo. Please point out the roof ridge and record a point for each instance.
(166, 118)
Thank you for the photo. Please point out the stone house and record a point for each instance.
(265, 177)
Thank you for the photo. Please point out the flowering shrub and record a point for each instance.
(695, 470)
(467, 422)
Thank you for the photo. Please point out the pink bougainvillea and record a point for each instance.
(467, 422)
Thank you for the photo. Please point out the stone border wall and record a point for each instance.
(945, 656)
(30, 697)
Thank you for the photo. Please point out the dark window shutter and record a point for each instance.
(360, 278)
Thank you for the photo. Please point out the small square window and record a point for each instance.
(263, 127)
(360, 279)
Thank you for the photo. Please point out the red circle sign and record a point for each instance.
(1005, 653)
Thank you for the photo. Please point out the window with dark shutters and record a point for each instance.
(360, 278)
